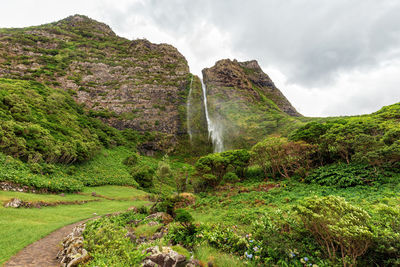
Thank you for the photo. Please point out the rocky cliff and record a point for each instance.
(246, 103)
(146, 87)
(128, 84)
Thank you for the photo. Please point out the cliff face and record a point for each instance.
(145, 86)
(128, 84)
(249, 78)
(246, 103)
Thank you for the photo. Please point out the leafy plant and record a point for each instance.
(345, 175)
(106, 242)
(143, 175)
(337, 226)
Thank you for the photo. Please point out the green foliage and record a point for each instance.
(143, 175)
(184, 218)
(372, 139)
(132, 160)
(231, 177)
(164, 169)
(212, 168)
(346, 175)
(254, 173)
(106, 241)
(15, 171)
(385, 250)
(337, 226)
(278, 156)
(40, 123)
(281, 238)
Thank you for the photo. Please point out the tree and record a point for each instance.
(277, 155)
(212, 168)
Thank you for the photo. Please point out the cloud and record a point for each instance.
(312, 41)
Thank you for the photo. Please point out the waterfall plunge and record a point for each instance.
(188, 125)
(214, 128)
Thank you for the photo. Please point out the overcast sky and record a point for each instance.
(328, 57)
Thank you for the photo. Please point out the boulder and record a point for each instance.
(73, 253)
(14, 203)
(166, 257)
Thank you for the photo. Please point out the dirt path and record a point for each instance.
(43, 252)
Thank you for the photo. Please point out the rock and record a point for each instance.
(165, 217)
(185, 199)
(166, 257)
(14, 203)
(153, 223)
(133, 208)
(162, 232)
(256, 99)
(8, 186)
(73, 253)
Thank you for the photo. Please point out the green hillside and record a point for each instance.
(40, 123)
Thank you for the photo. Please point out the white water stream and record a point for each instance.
(214, 129)
(188, 116)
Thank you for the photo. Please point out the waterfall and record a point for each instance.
(188, 125)
(214, 129)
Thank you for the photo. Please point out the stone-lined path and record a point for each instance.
(43, 252)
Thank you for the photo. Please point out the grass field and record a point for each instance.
(21, 227)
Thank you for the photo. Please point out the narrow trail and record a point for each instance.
(43, 252)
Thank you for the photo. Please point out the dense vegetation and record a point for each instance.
(44, 124)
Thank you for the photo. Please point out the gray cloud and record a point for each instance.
(311, 41)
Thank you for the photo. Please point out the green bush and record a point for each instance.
(231, 177)
(339, 227)
(212, 168)
(346, 175)
(132, 160)
(385, 249)
(143, 175)
(279, 157)
(107, 244)
(184, 218)
(283, 239)
(254, 173)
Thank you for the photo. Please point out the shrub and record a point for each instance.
(337, 226)
(254, 173)
(345, 175)
(132, 160)
(212, 168)
(36, 168)
(184, 218)
(385, 225)
(143, 175)
(108, 245)
(231, 177)
(282, 238)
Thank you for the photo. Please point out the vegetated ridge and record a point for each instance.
(128, 84)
